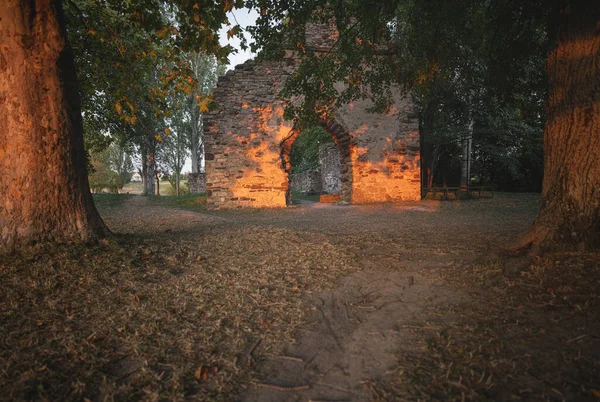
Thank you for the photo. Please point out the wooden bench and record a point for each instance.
(329, 198)
(458, 192)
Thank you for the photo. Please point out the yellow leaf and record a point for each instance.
(203, 105)
(196, 6)
(118, 107)
(91, 32)
(163, 32)
(158, 138)
(228, 6)
(167, 131)
(196, 18)
(233, 31)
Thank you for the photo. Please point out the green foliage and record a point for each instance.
(103, 178)
(466, 63)
(133, 64)
(304, 154)
(110, 169)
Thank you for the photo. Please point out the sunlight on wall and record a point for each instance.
(264, 183)
(393, 178)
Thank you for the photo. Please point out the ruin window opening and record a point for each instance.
(317, 161)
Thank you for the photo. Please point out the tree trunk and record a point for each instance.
(465, 169)
(144, 170)
(570, 211)
(149, 188)
(194, 139)
(157, 183)
(44, 189)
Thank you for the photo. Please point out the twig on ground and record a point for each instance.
(283, 389)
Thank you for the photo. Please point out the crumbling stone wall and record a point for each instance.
(330, 168)
(248, 141)
(196, 183)
(243, 136)
(308, 182)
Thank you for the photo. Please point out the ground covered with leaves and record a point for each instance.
(183, 303)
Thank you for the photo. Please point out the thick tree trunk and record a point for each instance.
(44, 190)
(570, 211)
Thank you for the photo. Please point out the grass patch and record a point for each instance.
(107, 201)
(299, 196)
(190, 202)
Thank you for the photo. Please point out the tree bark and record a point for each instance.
(194, 138)
(157, 183)
(570, 211)
(150, 165)
(465, 168)
(44, 189)
(144, 170)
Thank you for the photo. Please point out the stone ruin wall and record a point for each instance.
(326, 178)
(243, 135)
(197, 183)
(308, 182)
(248, 141)
(330, 168)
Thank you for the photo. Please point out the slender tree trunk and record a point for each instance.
(44, 189)
(157, 183)
(144, 170)
(177, 184)
(150, 189)
(570, 212)
(465, 170)
(194, 139)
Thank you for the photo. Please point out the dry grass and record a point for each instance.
(530, 338)
(155, 319)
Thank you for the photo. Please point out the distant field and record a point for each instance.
(165, 188)
(191, 202)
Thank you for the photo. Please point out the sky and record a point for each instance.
(244, 17)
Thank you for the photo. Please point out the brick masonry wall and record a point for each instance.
(248, 143)
(197, 183)
(243, 136)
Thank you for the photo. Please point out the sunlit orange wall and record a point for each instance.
(263, 183)
(243, 136)
(384, 152)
